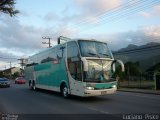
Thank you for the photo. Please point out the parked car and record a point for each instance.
(4, 82)
(20, 80)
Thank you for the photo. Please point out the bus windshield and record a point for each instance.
(94, 49)
(98, 71)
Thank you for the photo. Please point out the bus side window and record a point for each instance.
(75, 70)
(72, 50)
(72, 69)
(74, 63)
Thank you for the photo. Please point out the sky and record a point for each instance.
(117, 22)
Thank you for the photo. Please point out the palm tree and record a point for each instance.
(7, 6)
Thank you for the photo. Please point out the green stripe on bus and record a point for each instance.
(105, 85)
(51, 74)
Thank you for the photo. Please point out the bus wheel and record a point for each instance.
(33, 85)
(30, 83)
(65, 91)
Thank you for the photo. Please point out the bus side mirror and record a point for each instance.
(113, 65)
(85, 64)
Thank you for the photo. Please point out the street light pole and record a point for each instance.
(49, 41)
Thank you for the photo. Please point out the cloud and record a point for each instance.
(153, 31)
(145, 14)
(20, 38)
(51, 16)
(95, 6)
(151, 14)
(157, 10)
(120, 40)
(21, 41)
(6, 55)
(24, 13)
(141, 36)
(92, 9)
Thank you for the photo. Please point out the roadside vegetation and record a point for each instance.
(135, 77)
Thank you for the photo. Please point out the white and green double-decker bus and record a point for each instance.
(75, 67)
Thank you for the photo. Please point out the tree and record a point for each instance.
(7, 6)
(132, 69)
(154, 68)
(119, 73)
(1, 74)
(16, 74)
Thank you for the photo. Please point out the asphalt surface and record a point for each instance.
(19, 99)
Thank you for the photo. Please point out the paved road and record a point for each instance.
(19, 99)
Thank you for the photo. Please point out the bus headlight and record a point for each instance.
(90, 88)
(114, 86)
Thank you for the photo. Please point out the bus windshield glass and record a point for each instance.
(94, 49)
(98, 71)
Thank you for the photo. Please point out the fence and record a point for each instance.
(143, 81)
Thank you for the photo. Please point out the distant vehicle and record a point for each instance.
(20, 80)
(75, 67)
(4, 82)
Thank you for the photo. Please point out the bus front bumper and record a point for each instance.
(99, 92)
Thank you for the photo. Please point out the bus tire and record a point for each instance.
(30, 85)
(33, 85)
(65, 91)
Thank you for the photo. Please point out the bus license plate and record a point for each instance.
(103, 92)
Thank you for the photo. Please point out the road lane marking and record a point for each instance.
(101, 111)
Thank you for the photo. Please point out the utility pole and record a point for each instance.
(22, 63)
(4, 67)
(4, 72)
(10, 74)
(49, 41)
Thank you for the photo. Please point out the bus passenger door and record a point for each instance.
(75, 77)
(74, 68)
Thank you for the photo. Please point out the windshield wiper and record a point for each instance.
(104, 54)
(94, 54)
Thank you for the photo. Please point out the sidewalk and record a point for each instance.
(136, 90)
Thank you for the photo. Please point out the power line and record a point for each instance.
(84, 21)
(120, 16)
(110, 11)
(134, 9)
(117, 15)
(7, 58)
